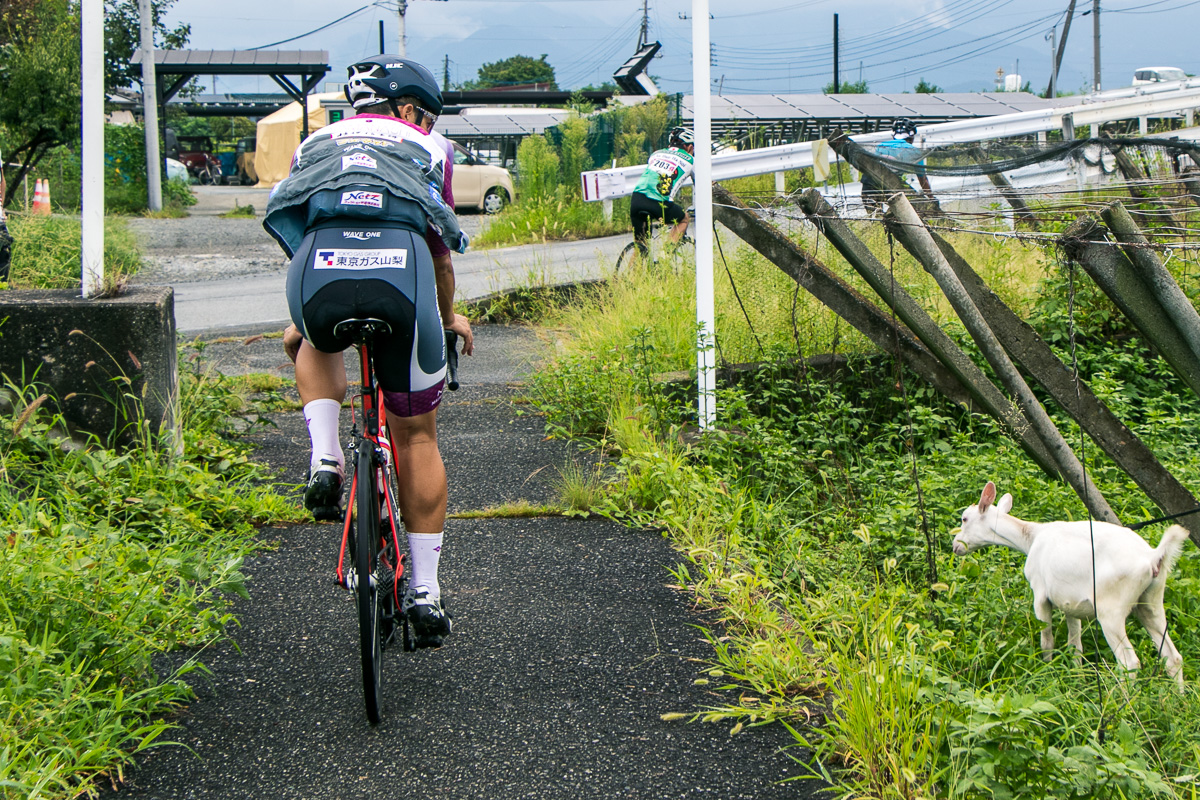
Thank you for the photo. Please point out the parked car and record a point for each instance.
(246, 174)
(196, 153)
(478, 185)
(1158, 75)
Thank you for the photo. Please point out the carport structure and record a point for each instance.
(174, 68)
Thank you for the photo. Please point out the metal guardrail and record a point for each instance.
(1117, 104)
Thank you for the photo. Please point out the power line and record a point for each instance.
(314, 30)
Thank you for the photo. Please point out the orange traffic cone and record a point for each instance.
(46, 196)
(40, 206)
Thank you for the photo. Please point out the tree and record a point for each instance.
(927, 88)
(515, 71)
(40, 73)
(847, 87)
(123, 37)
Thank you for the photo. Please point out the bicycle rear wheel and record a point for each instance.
(366, 539)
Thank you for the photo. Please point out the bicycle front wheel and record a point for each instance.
(626, 258)
(366, 528)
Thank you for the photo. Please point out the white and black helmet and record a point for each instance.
(384, 78)
(680, 137)
(903, 129)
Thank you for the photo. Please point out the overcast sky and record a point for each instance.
(759, 46)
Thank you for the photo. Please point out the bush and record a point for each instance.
(537, 166)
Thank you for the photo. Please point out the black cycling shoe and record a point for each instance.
(429, 619)
(323, 495)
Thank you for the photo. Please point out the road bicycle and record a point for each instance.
(659, 245)
(373, 524)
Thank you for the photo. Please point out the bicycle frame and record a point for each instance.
(374, 434)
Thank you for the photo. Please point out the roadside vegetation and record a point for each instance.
(46, 253)
(909, 672)
(111, 559)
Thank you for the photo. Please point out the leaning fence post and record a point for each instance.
(1023, 212)
(1190, 177)
(833, 292)
(1086, 242)
(1154, 274)
(927, 252)
(1036, 359)
(1132, 177)
(984, 392)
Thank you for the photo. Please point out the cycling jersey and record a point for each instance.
(364, 211)
(665, 173)
(896, 150)
(373, 156)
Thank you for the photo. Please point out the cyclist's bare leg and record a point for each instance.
(319, 375)
(421, 473)
(680, 228)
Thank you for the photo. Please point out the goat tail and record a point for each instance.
(1168, 550)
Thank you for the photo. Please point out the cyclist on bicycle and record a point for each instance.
(363, 215)
(899, 148)
(654, 195)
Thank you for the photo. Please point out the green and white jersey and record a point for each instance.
(667, 170)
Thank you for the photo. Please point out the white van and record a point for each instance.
(1158, 75)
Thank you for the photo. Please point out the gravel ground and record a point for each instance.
(205, 246)
(569, 645)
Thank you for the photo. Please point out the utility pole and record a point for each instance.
(403, 4)
(154, 163)
(836, 85)
(446, 73)
(1095, 45)
(1062, 43)
(644, 35)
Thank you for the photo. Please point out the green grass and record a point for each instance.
(798, 525)
(563, 217)
(239, 211)
(109, 559)
(46, 253)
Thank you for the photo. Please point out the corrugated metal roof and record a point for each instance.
(218, 62)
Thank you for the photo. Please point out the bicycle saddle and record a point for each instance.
(360, 330)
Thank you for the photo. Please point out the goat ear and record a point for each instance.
(1005, 504)
(987, 496)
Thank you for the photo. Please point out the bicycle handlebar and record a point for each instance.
(451, 360)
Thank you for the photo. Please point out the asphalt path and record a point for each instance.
(569, 645)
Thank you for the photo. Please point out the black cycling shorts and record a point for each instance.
(642, 209)
(354, 271)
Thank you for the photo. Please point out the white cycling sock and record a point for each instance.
(323, 417)
(425, 549)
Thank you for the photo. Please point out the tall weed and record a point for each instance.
(46, 253)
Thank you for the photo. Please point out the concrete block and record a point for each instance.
(108, 363)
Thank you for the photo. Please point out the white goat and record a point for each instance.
(1129, 574)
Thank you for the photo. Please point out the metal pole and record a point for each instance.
(92, 200)
(835, 54)
(403, 4)
(706, 315)
(154, 162)
(1095, 45)
(382, 46)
